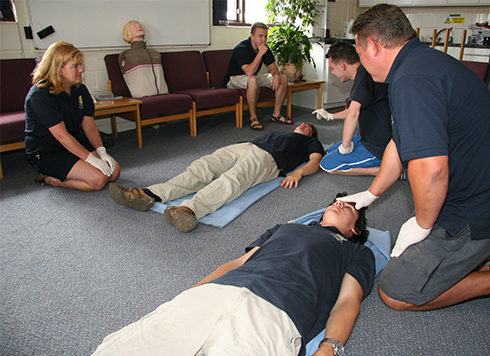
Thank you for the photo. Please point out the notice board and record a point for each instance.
(99, 23)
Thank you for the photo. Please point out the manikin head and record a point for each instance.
(133, 31)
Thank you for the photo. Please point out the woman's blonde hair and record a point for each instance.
(126, 33)
(47, 72)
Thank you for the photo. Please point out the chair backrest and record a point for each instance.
(216, 63)
(118, 84)
(184, 70)
(15, 82)
(480, 68)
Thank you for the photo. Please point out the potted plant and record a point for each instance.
(289, 41)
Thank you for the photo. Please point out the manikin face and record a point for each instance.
(341, 215)
(259, 38)
(71, 73)
(137, 31)
(304, 129)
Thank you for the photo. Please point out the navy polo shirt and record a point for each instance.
(442, 108)
(299, 269)
(244, 53)
(289, 149)
(44, 110)
(375, 114)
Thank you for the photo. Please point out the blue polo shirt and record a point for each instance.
(442, 108)
(299, 269)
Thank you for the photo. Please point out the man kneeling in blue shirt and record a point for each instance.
(293, 282)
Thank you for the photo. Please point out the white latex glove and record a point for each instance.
(323, 114)
(361, 199)
(409, 234)
(101, 151)
(99, 164)
(344, 151)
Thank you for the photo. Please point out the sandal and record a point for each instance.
(278, 120)
(254, 125)
(40, 179)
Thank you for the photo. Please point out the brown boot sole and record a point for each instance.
(117, 194)
(180, 220)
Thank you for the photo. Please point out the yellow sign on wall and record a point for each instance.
(455, 19)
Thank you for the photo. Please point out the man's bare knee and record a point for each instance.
(252, 83)
(395, 304)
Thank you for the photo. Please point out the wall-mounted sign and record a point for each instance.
(454, 19)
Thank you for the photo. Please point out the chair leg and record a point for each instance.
(1, 170)
(193, 119)
(238, 110)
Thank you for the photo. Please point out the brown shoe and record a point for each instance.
(134, 198)
(181, 217)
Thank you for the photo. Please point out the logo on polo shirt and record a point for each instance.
(339, 237)
(80, 102)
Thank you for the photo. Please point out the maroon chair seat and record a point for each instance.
(266, 94)
(185, 74)
(12, 126)
(155, 109)
(216, 62)
(167, 103)
(15, 82)
(209, 97)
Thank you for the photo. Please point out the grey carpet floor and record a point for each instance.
(76, 266)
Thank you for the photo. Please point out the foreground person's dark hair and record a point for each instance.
(361, 224)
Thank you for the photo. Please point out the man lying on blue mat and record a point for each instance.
(293, 282)
(227, 173)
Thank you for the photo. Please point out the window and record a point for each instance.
(238, 11)
(7, 11)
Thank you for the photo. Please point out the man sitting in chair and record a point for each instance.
(291, 283)
(245, 62)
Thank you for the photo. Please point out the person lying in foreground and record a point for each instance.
(292, 282)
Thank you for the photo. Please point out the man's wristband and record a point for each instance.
(338, 348)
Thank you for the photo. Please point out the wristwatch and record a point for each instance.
(338, 348)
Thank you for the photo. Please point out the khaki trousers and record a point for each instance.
(219, 178)
(209, 320)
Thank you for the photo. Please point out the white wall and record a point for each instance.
(426, 18)
(14, 45)
(430, 18)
